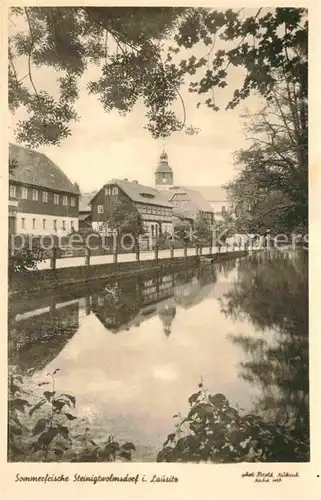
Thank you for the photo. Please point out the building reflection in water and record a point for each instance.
(37, 336)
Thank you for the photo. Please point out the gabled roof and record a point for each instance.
(140, 193)
(182, 214)
(211, 193)
(196, 201)
(37, 169)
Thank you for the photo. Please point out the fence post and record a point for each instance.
(87, 256)
(172, 251)
(137, 250)
(156, 253)
(87, 304)
(185, 251)
(53, 258)
(115, 250)
(201, 249)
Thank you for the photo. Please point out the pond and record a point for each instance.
(132, 352)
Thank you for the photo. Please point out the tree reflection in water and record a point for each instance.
(272, 292)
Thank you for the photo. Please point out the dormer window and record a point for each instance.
(147, 195)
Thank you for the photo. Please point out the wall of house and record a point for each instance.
(42, 224)
(39, 212)
(39, 205)
(99, 205)
(153, 216)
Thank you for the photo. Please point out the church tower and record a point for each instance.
(164, 177)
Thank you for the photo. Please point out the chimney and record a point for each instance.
(135, 182)
(125, 179)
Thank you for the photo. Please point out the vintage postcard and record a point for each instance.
(160, 193)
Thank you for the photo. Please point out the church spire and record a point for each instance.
(164, 177)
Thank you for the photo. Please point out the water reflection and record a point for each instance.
(133, 359)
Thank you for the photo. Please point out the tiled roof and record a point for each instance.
(141, 194)
(37, 169)
(182, 214)
(211, 193)
(196, 201)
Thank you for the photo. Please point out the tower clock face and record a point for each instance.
(164, 180)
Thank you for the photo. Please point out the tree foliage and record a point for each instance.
(124, 218)
(203, 228)
(25, 259)
(271, 190)
(146, 54)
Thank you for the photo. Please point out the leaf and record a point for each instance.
(71, 398)
(19, 404)
(70, 416)
(93, 442)
(125, 454)
(43, 383)
(58, 404)
(40, 426)
(46, 437)
(58, 453)
(128, 446)
(194, 397)
(48, 395)
(218, 399)
(56, 370)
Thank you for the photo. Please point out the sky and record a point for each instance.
(104, 145)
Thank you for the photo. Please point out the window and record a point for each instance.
(24, 193)
(65, 200)
(72, 225)
(23, 223)
(45, 197)
(107, 191)
(56, 199)
(44, 223)
(34, 195)
(100, 228)
(12, 191)
(55, 225)
(33, 223)
(100, 209)
(63, 225)
(73, 201)
(153, 229)
(115, 190)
